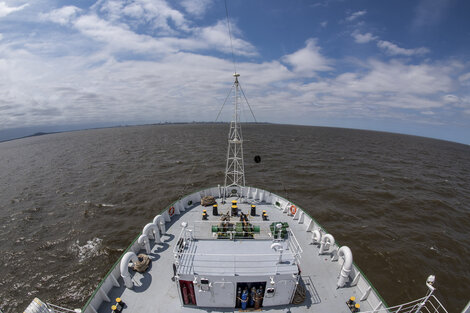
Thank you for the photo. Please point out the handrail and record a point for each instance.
(425, 305)
(59, 309)
(235, 254)
(240, 261)
(294, 243)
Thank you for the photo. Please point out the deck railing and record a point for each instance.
(422, 305)
(199, 230)
(59, 309)
(295, 246)
(240, 264)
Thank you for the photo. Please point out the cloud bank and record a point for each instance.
(148, 61)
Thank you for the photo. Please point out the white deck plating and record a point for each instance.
(235, 257)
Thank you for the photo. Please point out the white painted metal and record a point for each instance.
(166, 216)
(151, 231)
(310, 225)
(316, 236)
(366, 293)
(105, 295)
(356, 278)
(327, 241)
(284, 290)
(126, 276)
(37, 306)
(59, 309)
(345, 252)
(429, 305)
(235, 166)
(278, 247)
(467, 308)
(160, 222)
(114, 281)
(145, 242)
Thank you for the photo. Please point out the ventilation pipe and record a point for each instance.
(160, 222)
(152, 232)
(124, 267)
(326, 242)
(278, 247)
(345, 253)
(144, 241)
(316, 236)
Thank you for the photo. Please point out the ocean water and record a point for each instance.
(70, 203)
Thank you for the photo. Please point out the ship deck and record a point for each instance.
(156, 291)
(216, 257)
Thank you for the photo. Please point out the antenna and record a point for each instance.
(235, 167)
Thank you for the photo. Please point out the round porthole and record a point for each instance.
(234, 191)
(190, 202)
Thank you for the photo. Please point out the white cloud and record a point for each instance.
(392, 49)
(196, 7)
(157, 14)
(356, 15)
(109, 25)
(61, 16)
(119, 37)
(384, 87)
(363, 38)
(308, 60)
(97, 88)
(135, 74)
(399, 77)
(217, 36)
(5, 9)
(324, 24)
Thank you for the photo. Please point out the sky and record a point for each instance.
(399, 66)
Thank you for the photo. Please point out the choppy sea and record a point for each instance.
(70, 203)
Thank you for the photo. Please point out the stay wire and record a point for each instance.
(230, 35)
(243, 93)
(220, 111)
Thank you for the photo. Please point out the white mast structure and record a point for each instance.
(235, 168)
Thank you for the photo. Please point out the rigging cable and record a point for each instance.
(220, 111)
(235, 70)
(230, 35)
(243, 93)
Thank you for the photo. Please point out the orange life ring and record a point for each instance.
(171, 211)
(293, 209)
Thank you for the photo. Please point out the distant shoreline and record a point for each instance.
(42, 133)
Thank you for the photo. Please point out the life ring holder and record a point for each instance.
(171, 211)
(293, 209)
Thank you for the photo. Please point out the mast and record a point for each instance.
(235, 168)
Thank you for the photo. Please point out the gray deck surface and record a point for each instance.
(154, 291)
(217, 257)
